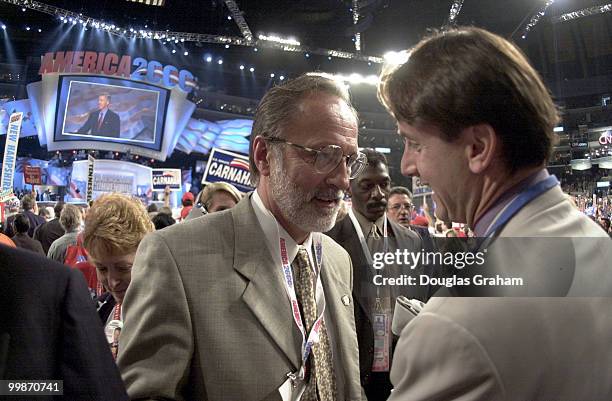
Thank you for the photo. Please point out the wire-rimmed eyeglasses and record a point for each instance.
(329, 157)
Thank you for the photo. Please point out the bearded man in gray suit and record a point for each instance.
(477, 123)
(226, 306)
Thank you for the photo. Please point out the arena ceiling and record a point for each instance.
(383, 24)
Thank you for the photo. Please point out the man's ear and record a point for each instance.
(482, 145)
(261, 156)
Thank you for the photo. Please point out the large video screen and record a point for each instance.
(94, 108)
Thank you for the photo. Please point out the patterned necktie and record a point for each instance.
(100, 118)
(374, 232)
(322, 376)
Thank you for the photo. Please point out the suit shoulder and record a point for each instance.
(339, 230)
(28, 269)
(203, 229)
(398, 228)
(331, 246)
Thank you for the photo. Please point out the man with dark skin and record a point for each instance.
(364, 232)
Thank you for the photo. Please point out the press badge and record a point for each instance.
(292, 389)
(382, 340)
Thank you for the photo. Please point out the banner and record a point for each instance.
(107, 183)
(420, 189)
(90, 177)
(230, 167)
(10, 151)
(5, 195)
(163, 177)
(32, 175)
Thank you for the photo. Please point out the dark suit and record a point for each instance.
(344, 234)
(110, 127)
(49, 330)
(48, 232)
(24, 242)
(106, 304)
(35, 221)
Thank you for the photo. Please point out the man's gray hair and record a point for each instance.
(280, 104)
(70, 218)
(107, 96)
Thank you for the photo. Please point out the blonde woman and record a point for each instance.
(114, 227)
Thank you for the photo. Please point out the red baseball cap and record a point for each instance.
(420, 221)
(188, 196)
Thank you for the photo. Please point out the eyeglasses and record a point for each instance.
(400, 206)
(329, 157)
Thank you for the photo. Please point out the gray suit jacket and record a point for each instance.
(207, 316)
(518, 348)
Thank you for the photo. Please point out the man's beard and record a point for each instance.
(297, 205)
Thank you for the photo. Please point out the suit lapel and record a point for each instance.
(264, 294)
(350, 242)
(341, 317)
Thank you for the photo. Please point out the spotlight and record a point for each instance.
(176, 41)
(242, 67)
(173, 51)
(146, 26)
(39, 30)
(229, 18)
(272, 75)
(3, 26)
(282, 77)
(329, 58)
(252, 69)
(220, 62)
(23, 9)
(27, 28)
(396, 58)
(182, 39)
(255, 49)
(307, 55)
(186, 54)
(227, 46)
(208, 59)
(369, 63)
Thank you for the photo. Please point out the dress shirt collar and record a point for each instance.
(366, 225)
(269, 225)
(483, 224)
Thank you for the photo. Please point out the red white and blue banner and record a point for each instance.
(230, 167)
(163, 177)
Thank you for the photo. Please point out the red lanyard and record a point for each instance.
(308, 339)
